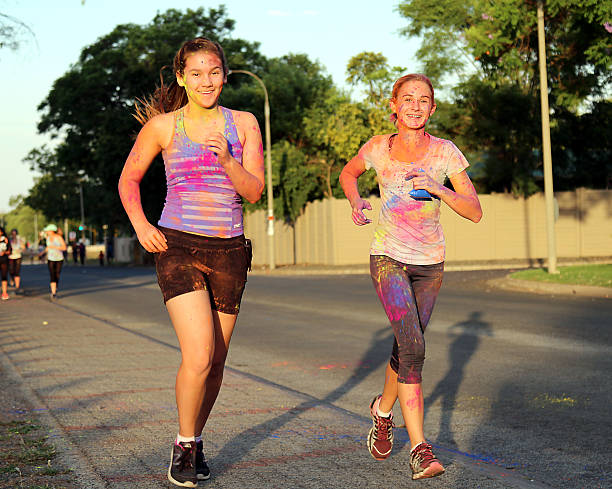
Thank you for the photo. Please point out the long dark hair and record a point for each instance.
(172, 97)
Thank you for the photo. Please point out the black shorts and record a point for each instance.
(192, 262)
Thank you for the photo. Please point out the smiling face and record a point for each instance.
(203, 78)
(413, 104)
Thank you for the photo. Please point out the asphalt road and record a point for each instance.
(514, 381)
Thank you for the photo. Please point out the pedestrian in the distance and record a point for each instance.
(55, 258)
(75, 252)
(407, 252)
(18, 246)
(5, 251)
(213, 157)
(82, 251)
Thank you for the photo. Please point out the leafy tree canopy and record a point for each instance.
(498, 41)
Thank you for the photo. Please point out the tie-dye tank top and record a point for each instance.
(201, 198)
(409, 230)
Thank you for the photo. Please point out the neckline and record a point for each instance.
(182, 120)
(390, 144)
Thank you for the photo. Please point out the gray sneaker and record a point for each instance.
(182, 471)
(202, 470)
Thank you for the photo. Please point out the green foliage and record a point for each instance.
(336, 129)
(493, 48)
(372, 71)
(91, 107)
(295, 182)
(596, 275)
(24, 219)
(498, 42)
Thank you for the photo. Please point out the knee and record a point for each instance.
(200, 366)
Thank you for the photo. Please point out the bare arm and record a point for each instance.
(146, 147)
(348, 181)
(464, 200)
(248, 178)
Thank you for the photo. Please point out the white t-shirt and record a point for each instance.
(409, 230)
(52, 253)
(17, 245)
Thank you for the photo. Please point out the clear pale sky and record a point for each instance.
(330, 31)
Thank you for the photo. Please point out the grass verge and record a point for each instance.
(27, 459)
(598, 275)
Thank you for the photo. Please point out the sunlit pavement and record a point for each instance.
(504, 405)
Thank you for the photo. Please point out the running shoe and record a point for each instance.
(5, 297)
(380, 438)
(182, 469)
(202, 470)
(424, 463)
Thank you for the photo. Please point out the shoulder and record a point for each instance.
(244, 120)
(159, 128)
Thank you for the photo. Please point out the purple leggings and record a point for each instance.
(408, 294)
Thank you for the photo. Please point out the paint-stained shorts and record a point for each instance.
(192, 262)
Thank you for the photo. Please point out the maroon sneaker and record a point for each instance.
(380, 438)
(424, 463)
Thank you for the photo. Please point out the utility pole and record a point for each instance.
(271, 250)
(546, 151)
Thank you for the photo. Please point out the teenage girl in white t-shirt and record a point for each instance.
(407, 252)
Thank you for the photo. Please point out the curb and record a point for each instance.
(509, 283)
(67, 453)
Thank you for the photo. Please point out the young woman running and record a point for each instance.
(5, 251)
(55, 257)
(17, 246)
(213, 156)
(407, 252)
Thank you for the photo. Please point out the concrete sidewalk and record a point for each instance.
(105, 390)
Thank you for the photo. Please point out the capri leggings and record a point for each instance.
(408, 294)
(4, 267)
(14, 267)
(55, 268)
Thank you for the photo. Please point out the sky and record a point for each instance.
(328, 31)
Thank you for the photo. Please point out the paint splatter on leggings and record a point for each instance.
(408, 294)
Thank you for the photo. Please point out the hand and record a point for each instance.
(218, 145)
(422, 180)
(358, 216)
(151, 238)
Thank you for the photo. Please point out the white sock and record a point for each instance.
(198, 438)
(382, 413)
(184, 439)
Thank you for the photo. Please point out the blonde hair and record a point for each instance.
(406, 78)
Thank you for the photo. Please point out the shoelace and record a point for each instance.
(185, 458)
(383, 426)
(423, 453)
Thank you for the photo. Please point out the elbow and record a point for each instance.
(477, 216)
(256, 195)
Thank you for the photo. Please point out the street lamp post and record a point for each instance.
(271, 252)
(546, 150)
(82, 211)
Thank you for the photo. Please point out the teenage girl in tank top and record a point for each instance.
(213, 157)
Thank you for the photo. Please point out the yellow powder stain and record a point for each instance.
(546, 400)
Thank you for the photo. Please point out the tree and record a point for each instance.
(23, 218)
(336, 129)
(90, 109)
(498, 42)
(372, 71)
(492, 48)
(11, 32)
